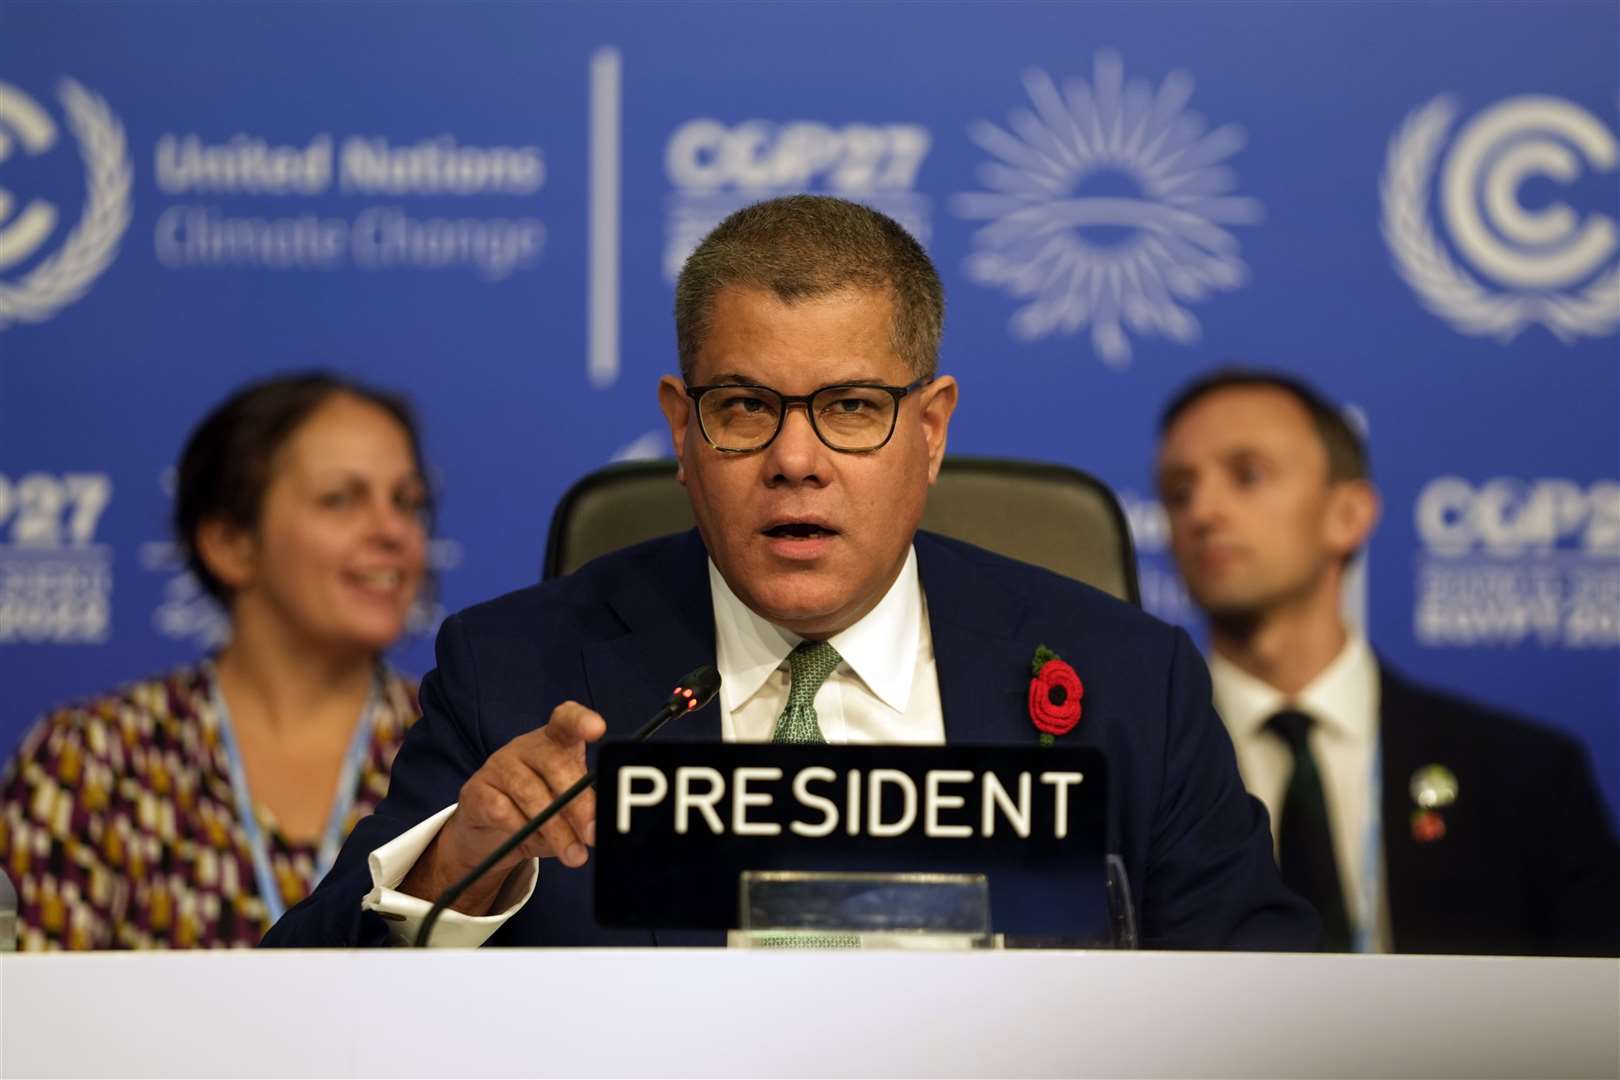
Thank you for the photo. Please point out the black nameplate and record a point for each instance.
(677, 823)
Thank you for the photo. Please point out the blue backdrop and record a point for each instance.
(1412, 205)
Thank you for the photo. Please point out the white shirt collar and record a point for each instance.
(881, 649)
(1343, 698)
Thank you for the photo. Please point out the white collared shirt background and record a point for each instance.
(1344, 702)
(885, 691)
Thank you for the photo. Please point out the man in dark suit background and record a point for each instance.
(808, 422)
(1414, 821)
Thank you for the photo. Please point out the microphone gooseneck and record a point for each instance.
(693, 692)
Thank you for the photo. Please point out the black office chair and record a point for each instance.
(1050, 515)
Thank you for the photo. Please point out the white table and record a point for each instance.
(751, 1013)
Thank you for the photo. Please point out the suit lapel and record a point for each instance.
(1399, 752)
(983, 670)
(669, 630)
(668, 621)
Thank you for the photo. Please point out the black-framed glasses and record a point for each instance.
(738, 418)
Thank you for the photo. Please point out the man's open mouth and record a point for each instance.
(799, 530)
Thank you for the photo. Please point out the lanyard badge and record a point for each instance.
(343, 800)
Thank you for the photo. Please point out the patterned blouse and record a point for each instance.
(119, 828)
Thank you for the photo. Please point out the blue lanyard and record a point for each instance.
(1372, 862)
(347, 784)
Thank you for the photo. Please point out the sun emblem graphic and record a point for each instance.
(1107, 205)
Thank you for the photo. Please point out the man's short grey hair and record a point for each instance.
(804, 246)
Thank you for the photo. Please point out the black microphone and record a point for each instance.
(693, 692)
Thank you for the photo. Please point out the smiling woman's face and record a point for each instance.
(340, 549)
(809, 538)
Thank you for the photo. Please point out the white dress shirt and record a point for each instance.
(1344, 702)
(885, 691)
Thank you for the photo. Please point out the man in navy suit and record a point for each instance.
(1416, 821)
(808, 422)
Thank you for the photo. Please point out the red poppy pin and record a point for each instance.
(1427, 826)
(1054, 695)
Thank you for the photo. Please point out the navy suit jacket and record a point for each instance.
(1529, 863)
(1196, 847)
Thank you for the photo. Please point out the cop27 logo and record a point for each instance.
(1107, 205)
(27, 224)
(705, 155)
(716, 168)
(1549, 264)
(55, 580)
(40, 510)
(1506, 515)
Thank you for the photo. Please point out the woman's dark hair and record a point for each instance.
(226, 465)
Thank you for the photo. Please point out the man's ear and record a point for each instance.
(938, 403)
(1353, 510)
(229, 551)
(677, 408)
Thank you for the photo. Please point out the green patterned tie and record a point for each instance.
(809, 664)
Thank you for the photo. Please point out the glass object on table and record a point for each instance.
(821, 910)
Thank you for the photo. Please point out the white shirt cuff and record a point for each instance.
(404, 913)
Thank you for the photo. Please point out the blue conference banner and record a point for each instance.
(1411, 204)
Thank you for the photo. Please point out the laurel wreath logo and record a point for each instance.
(1447, 289)
(92, 244)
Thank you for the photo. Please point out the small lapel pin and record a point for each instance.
(1434, 787)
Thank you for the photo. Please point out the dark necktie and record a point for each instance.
(1305, 836)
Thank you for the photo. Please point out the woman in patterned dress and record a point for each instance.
(189, 810)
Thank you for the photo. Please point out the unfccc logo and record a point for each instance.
(1555, 266)
(91, 245)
